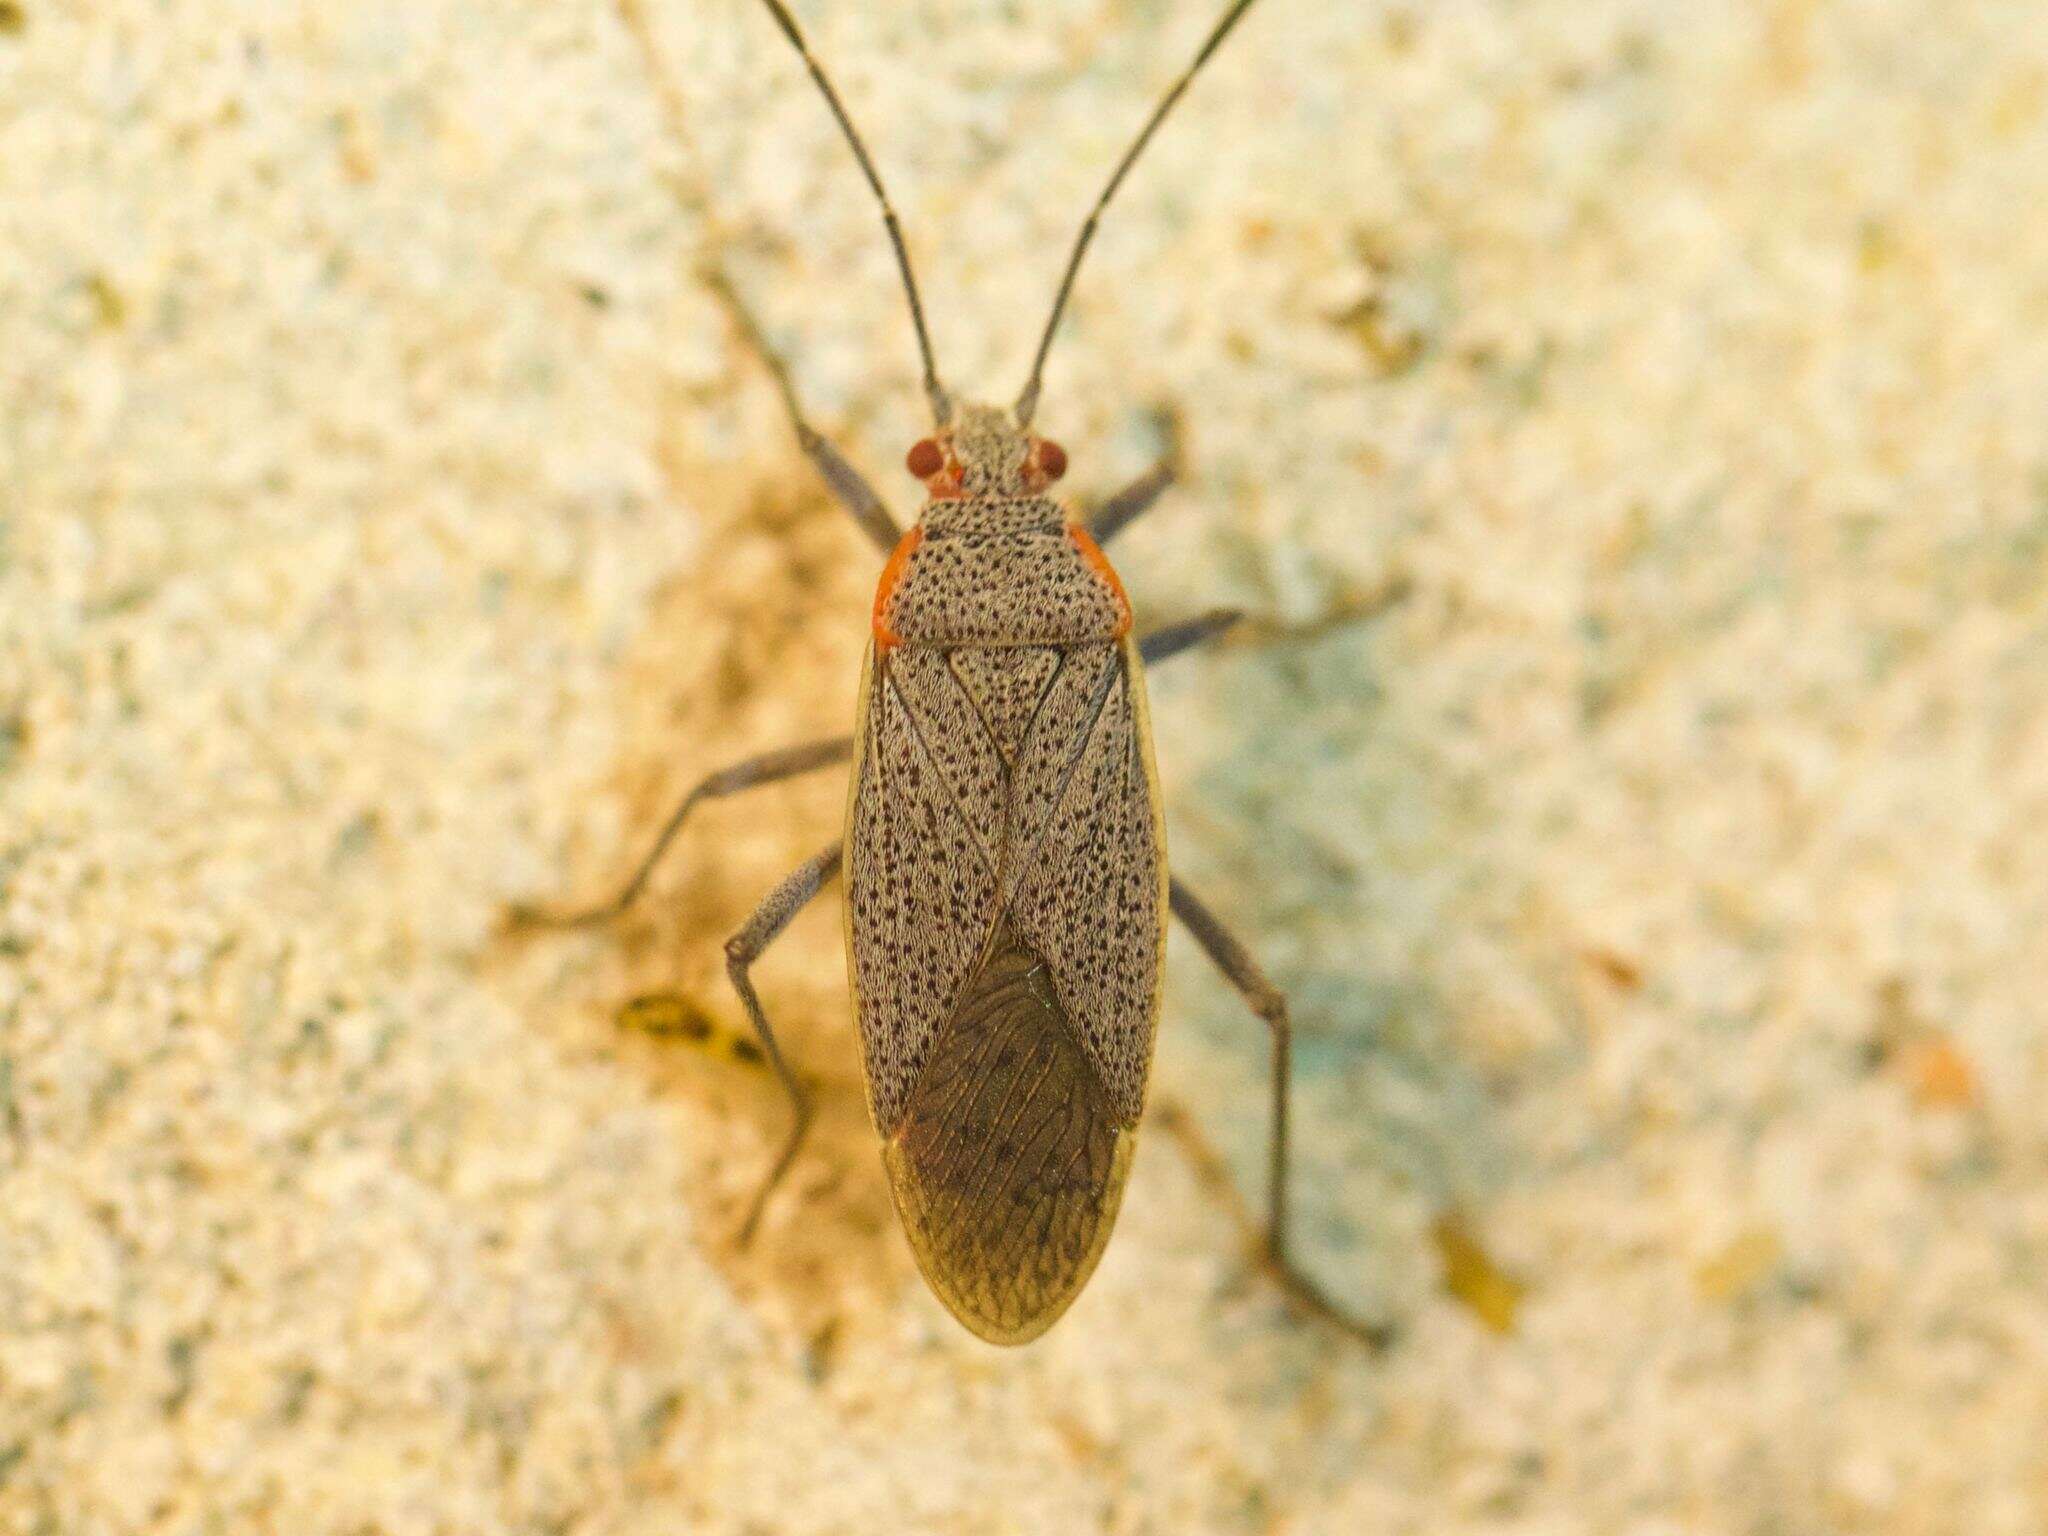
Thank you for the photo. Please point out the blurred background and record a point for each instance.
(1626, 424)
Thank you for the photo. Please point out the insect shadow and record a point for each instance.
(727, 649)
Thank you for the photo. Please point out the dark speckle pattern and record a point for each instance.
(957, 742)
(1083, 888)
(1006, 686)
(1060, 731)
(921, 899)
(947, 834)
(968, 586)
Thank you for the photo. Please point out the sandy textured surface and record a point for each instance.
(390, 526)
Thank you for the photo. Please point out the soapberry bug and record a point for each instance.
(1007, 889)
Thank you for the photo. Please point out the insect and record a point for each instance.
(1007, 890)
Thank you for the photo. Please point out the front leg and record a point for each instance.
(1137, 498)
(848, 485)
(1130, 503)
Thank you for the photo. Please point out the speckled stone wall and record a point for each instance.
(1625, 422)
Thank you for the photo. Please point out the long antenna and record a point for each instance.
(942, 404)
(1027, 403)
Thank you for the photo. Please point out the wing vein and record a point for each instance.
(1082, 737)
(974, 833)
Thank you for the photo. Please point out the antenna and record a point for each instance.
(1027, 403)
(942, 404)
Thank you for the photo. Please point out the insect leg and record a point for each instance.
(941, 402)
(768, 768)
(741, 951)
(1128, 504)
(847, 483)
(1269, 1003)
(1175, 638)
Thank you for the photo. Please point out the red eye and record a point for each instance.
(1052, 460)
(924, 460)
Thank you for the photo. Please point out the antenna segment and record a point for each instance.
(1027, 403)
(942, 404)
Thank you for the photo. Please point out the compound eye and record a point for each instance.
(924, 459)
(1052, 459)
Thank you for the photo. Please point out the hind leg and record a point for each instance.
(1267, 1001)
(741, 951)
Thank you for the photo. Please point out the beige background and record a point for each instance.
(390, 527)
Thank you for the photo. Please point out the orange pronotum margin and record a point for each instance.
(1099, 563)
(899, 560)
(899, 557)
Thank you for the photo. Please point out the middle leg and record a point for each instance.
(768, 768)
(1175, 638)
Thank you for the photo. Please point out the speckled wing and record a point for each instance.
(1084, 868)
(1007, 1098)
(920, 869)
